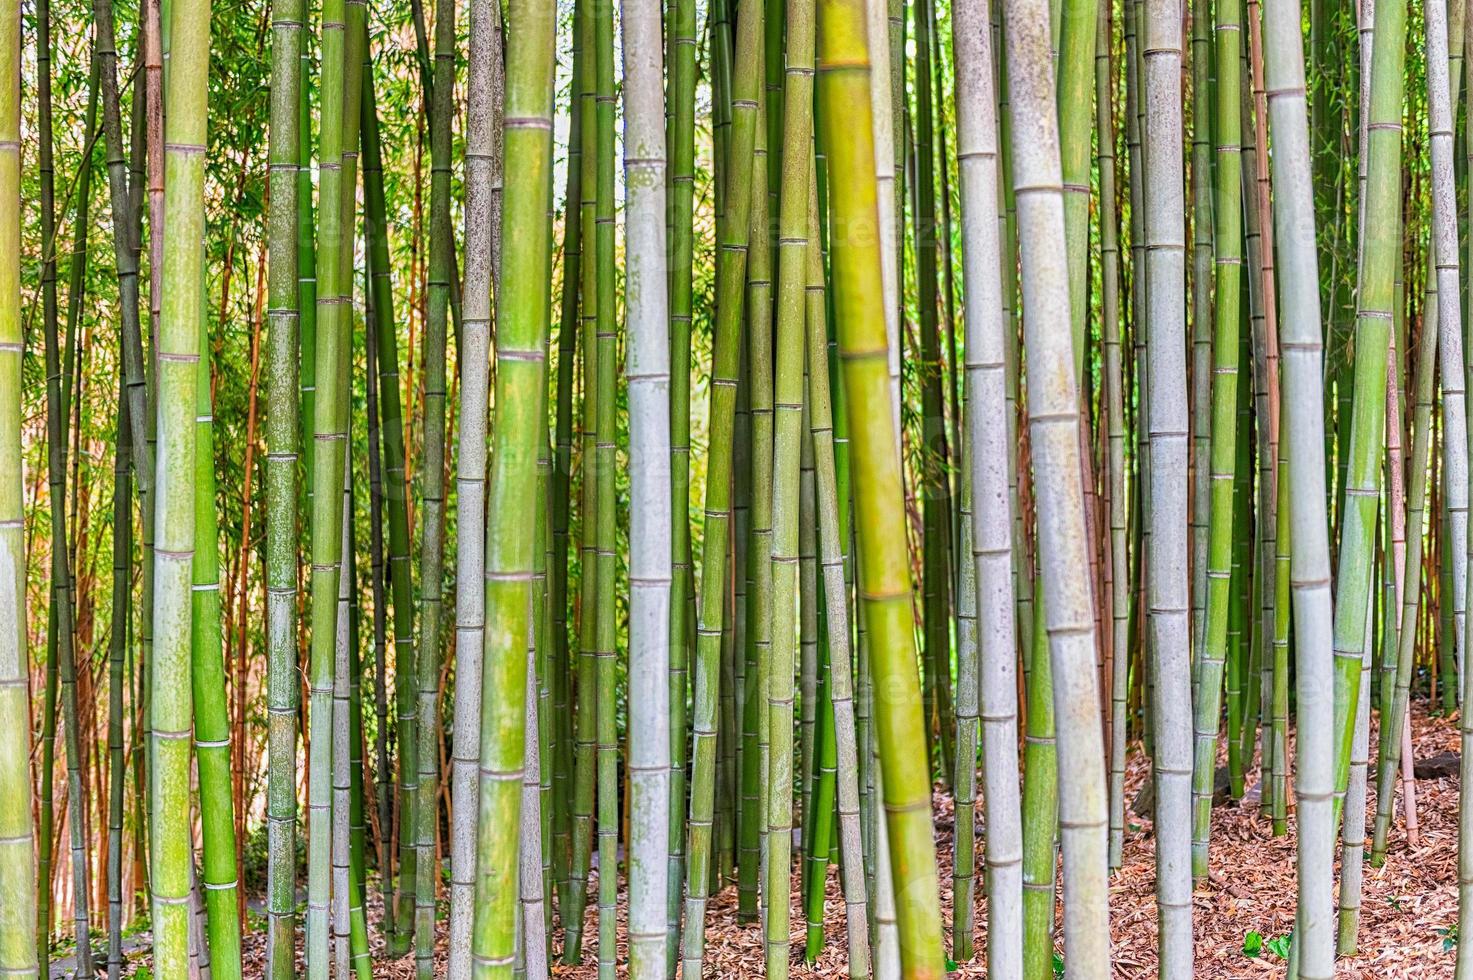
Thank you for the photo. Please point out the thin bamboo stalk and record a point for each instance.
(793, 232)
(831, 491)
(1226, 384)
(482, 206)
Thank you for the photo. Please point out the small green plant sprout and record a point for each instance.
(1279, 945)
(1252, 943)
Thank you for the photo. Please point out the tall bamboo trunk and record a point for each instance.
(180, 329)
(1167, 559)
(987, 454)
(848, 138)
(17, 841)
(647, 370)
(520, 396)
(1303, 439)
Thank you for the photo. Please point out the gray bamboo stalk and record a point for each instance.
(647, 373)
(1302, 350)
(987, 453)
(341, 778)
(1442, 97)
(482, 166)
(1053, 396)
(1167, 562)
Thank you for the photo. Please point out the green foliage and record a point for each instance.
(1058, 965)
(1449, 936)
(1255, 946)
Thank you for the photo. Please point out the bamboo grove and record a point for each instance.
(509, 485)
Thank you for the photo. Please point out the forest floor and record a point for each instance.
(1408, 905)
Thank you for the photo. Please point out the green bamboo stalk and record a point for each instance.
(1239, 620)
(681, 110)
(1040, 855)
(60, 613)
(561, 488)
(180, 329)
(401, 570)
(520, 424)
(793, 231)
(432, 541)
(848, 138)
(125, 254)
(934, 476)
(730, 295)
(831, 487)
(211, 716)
(117, 647)
(282, 426)
(587, 717)
(329, 434)
(818, 812)
(1226, 342)
(756, 731)
(1379, 248)
(1406, 593)
(17, 840)
(753, 625)
(1114, 398)
(1203, 51)
(606, 632)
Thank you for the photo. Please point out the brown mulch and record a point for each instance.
(1405, 903)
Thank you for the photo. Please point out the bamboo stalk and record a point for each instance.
(647, 371)
(987, 455)
(848, 134)
(17, 840)
(520, 395)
